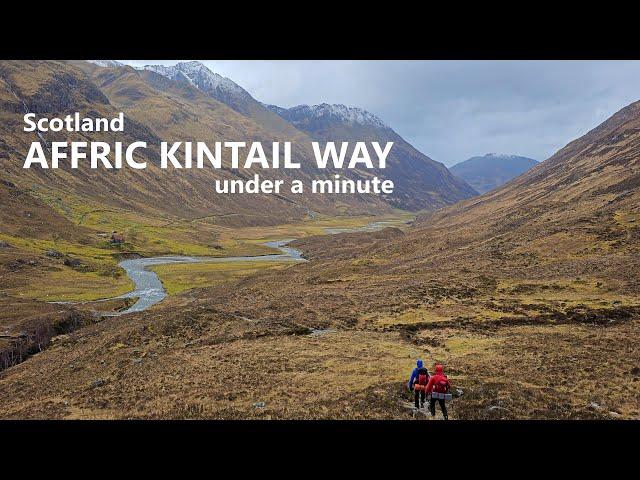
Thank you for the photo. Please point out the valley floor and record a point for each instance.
(338, 337)
(48, 279)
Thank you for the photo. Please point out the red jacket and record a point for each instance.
(436, 378)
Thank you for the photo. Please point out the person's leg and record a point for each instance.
(417, 397)
(432, 406)
(443, 407)
(422, 396)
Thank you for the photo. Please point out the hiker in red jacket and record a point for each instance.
(438, 383)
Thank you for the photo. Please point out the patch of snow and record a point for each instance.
(106, 63)
(501, 155)
(275, 108)
(201, 77)
(336, 112)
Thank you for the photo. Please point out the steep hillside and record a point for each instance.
(420, 183)
(228, 92)
(491, 170)
(591, 185)
(155, 109)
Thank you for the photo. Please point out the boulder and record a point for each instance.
(99, 382)
(72, 262)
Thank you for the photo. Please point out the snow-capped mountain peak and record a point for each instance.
(201, 77)
(335, 112)
(106, 63)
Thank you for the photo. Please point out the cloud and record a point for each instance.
(452, 110)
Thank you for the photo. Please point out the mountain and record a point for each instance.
(420, 182)
(215, 85)
(155, 108)
(487, 172)
(225, 91)
(107, 63)
(320, 118)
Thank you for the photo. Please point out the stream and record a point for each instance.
(149, 289)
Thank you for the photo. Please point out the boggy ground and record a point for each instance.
(189, 361)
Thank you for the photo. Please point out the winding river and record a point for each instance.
(149, 289)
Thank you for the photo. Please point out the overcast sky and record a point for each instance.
(453, 110)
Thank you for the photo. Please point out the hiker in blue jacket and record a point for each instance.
(418, 383)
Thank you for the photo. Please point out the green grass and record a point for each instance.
(178, 278)
(149, 235)
(67, 284)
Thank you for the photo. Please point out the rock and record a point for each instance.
(635, 371)
(60, 338)
(99, 382)
(72, 262)
(319, 332)
(595, 406)
(459, 392)
(53, 254)
(494, 408)
(137, 361)
(4, 244)
(259, 404)
(615, 414)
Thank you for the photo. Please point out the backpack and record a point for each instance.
(423, 376)
(442, 385)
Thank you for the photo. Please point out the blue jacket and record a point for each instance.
(414, 374)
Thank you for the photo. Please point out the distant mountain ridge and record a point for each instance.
(302, 114)
(107, 63)
(421, 183)
(487, 172)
